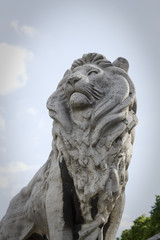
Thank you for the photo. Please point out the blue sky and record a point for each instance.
(39, 40)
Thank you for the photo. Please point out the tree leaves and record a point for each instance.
(144, 227)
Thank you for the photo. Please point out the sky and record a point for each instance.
(39, 40)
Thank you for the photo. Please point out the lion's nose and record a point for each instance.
(73, 80)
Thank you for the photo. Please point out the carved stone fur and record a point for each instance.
(79, 192)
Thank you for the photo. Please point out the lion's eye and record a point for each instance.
(92, 73)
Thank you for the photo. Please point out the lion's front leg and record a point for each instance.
(111, 227)
(104, 227)
(54, 203)
(93, 230)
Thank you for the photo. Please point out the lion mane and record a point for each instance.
(79, 192)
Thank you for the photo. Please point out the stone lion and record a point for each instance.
(78, 194)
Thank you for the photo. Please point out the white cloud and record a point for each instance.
(28, 30)
(12, 172)
(13, 67)
(14, 167)
(3, 182)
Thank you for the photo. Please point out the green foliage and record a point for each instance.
(155, 215)
(138, 230)
(144, 227)
(154, 227)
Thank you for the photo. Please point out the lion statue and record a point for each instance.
(78, 194)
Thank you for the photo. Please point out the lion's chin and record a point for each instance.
(79, 100)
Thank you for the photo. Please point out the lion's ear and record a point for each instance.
(121, 63)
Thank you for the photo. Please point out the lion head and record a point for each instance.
(94, 110)
(90, 81)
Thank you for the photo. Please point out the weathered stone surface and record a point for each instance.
(79, 192)
(156, 237)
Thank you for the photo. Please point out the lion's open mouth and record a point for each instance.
(82, 95)
(81, 92)
(79, 99)
(89, 90)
